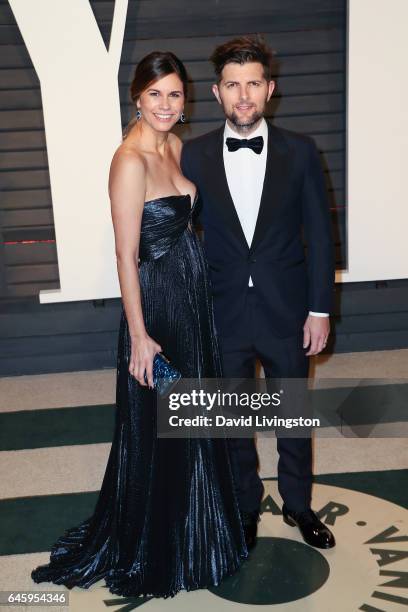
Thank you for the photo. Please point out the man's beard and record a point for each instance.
(249, 123)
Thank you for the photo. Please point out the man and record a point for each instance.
(260, 187)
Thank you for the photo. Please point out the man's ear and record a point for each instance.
(271, 87)
(216, 92)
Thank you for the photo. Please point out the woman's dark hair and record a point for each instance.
(242, 50)
(149, 70)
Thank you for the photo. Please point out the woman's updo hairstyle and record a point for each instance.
(149, 70)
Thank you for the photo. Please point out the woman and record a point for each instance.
(166, 518)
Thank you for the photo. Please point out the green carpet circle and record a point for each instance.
(278, 571)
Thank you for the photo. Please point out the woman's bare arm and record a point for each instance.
(127, 186)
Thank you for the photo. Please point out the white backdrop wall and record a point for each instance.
(377, 137)
(309, 37)
(82, 119)
(79, 149)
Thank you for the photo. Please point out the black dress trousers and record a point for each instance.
(280, 358)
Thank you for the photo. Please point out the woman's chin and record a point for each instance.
(163, 126)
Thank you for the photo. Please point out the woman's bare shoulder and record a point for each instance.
(127, 171)
(127, 155)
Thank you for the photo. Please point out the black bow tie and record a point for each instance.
(256, 144)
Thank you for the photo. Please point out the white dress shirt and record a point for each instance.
(245, 172)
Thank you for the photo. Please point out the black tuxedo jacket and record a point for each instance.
(289, 280)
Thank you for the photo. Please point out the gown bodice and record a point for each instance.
(164, 220)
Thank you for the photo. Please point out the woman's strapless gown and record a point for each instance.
(167, 516)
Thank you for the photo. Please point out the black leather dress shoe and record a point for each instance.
(250, 525)
(313, 531)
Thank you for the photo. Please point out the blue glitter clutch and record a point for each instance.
(165, 376)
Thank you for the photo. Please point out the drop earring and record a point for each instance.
(182, 118)
(138, 115)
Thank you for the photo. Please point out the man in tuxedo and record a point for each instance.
(261, 187)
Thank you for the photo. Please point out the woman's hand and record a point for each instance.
(142, 354)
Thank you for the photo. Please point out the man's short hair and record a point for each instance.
(242, 50)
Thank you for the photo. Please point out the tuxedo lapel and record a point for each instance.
(276, 177)
(274, 185)
(219, 183)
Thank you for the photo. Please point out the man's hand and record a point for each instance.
(315, 333)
